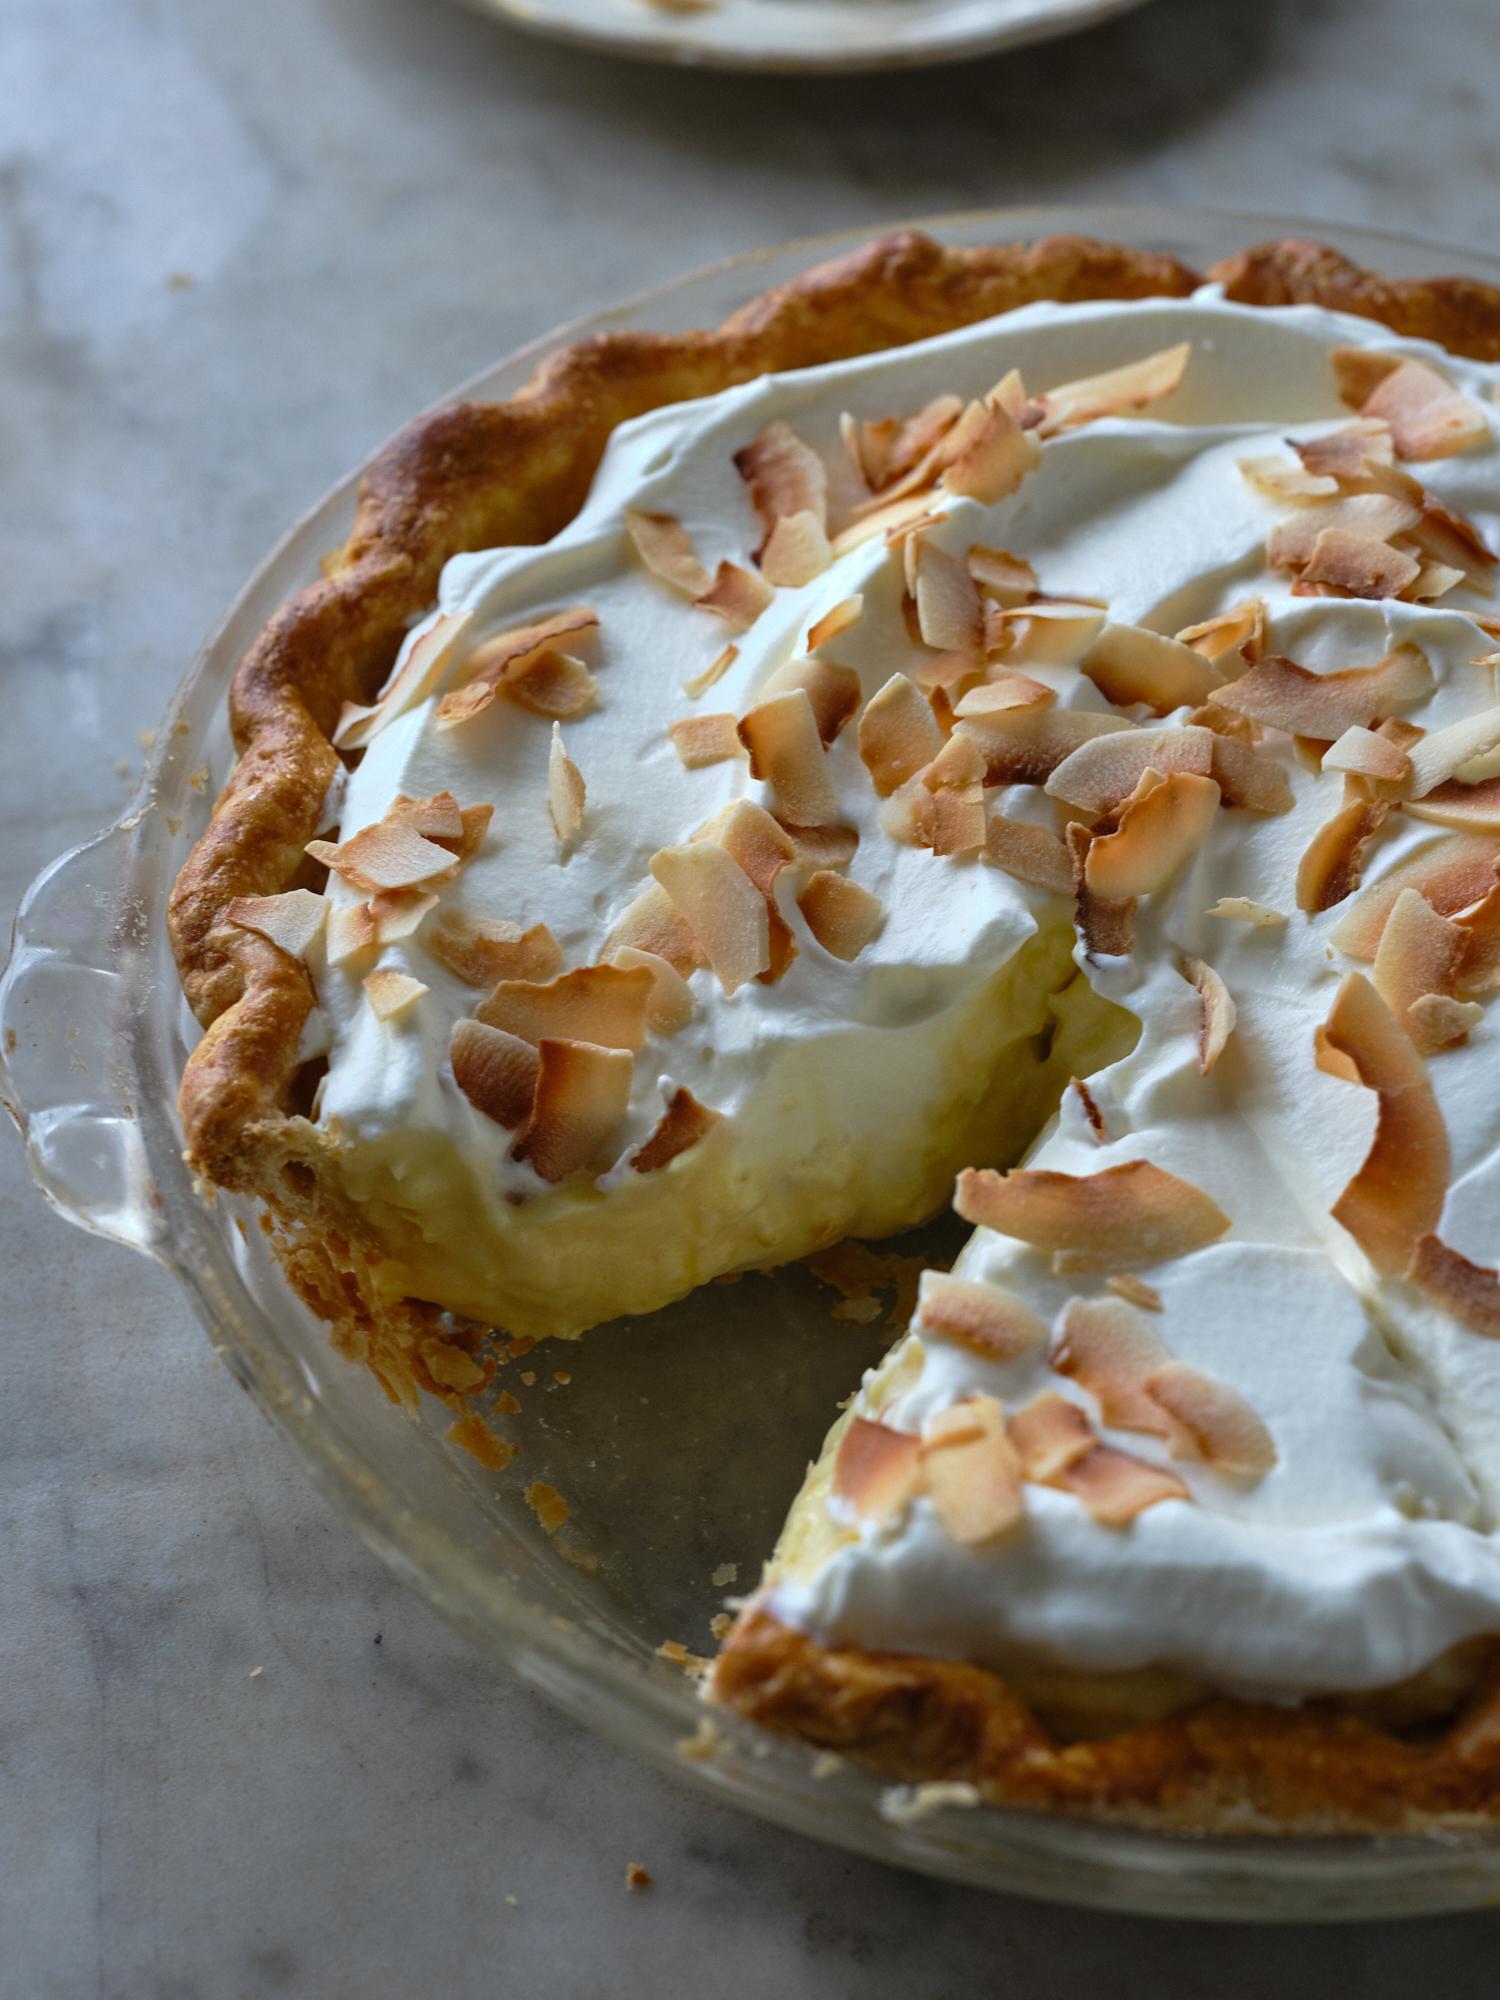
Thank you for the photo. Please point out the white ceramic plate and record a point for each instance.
(839, 35)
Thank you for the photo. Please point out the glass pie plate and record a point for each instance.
(679, 1440)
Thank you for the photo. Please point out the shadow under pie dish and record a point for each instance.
(1052, 718)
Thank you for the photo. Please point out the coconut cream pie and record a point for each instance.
(739, 794)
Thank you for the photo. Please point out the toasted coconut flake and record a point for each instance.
(1156, 836)
(1006, 579)
(1100, 774)
(566, 792)
(476, 821)
(1029, 853)
(1247, 779)
(438, 818)
(912, 441)
(603, 1004)
(1443, 752)
(959, 763)
(1474, 807)
(955, 820)
(428, 660)
(884, 517)
(356, 724)
(507, 654)
(759, 843)
(1049, 1435)
(387, 855)
(350, 930)
(1334, 861)
(1438, 1021)
(1115, 391)
(684, 1122)
(877, 1471)
(1009, 394)
(666, 548)
(1432, 581)
(651, 924)
(582, 1093)
(1129, 664)
(1367, 517)
(1024, 746)
(1218, 1424)
(1108, 1349)
(723, 908)
(796, 552)
(669, 1006)
(1053, 632)
(1332, 1061)
(950, 435)
(482, 950)
(1283, 695)
(785, 477)
(1286, 479)
(1114, 1487)
(1350, 452)
(736, 595)
(1218, 1012)
(835, 623)
(1447, 538)
(782, 945)
(949, 614)
(1428, 417)
(992, 457)
(390, 993)
(1454, 872)
(1349, 565)
(786, 751)
(833, 691)
(290, 921)
(1396, 1197)
(1471, 1292)
(1358, 372)
(495, 1071)
(983, 1317)
(1364, 754)
(1106, 925)
(972, 1471)
(1242, 910)
(397, 913)
(1133, 1213)
(705, 739)
(1239, 630)
(1420, 955)
(821, 846)
(898, 734)
(842, 916)
(1480, 924)
(714, 671)
(553, 684)
(1002, 691)
(1135, 1291)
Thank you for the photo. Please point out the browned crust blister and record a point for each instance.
(482, 475)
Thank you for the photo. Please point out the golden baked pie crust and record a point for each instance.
(481, 475)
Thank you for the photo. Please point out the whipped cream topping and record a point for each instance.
(1370, 1547)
